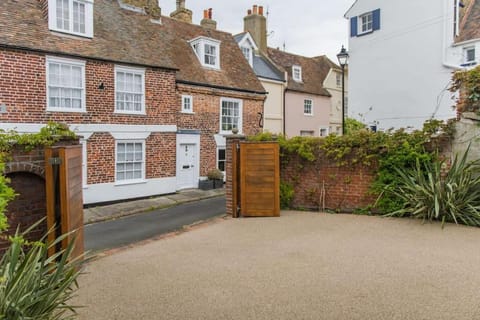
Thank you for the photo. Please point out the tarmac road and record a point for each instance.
(131, 229)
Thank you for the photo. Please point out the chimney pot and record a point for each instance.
(210, 13)
(205, 14)
(255, 9)
(260, 10)
(249, 12)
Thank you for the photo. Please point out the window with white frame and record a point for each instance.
(71, 16)
(247, 52)
(306, 133)
(187, 104)
(129, 90)
(308, 107)
(130, 161)
(323, 131)
(221, 159)
(230, 115)
(297, 73)
(469, 54)
(207, 51)
(338, 79)
(366, 22)
(65, 85)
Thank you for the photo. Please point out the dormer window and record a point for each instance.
(297, 73)
(207, 51)
(247, 52)
(71, 16)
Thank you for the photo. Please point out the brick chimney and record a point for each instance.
(182, 13)
(256, 23)
(150, 6)
(207, 21)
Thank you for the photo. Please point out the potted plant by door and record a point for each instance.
(215, 180)
(217, 177)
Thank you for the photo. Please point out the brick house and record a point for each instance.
(151, 96)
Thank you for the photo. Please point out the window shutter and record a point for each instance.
(376, 19)
(353, 26)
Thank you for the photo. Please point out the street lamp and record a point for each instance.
(342, 57)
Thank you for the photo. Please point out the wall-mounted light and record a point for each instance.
(101, 86)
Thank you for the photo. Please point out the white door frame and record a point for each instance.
(188, 139)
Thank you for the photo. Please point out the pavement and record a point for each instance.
(127, 208)
(301, 265)
(134, 228)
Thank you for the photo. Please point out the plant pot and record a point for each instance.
(217, 183)
(206, 184)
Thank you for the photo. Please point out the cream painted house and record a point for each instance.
(333, 83)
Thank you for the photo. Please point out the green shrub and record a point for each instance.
(6, 195)
(215, 174)
(429, 194)
(286, 195)
(35, 286)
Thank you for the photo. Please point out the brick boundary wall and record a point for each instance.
(26, 169)
(346, 188)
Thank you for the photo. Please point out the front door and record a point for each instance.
(187, 170)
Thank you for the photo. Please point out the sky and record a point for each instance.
(306, 27)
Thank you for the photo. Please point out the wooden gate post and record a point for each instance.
(232, 181)
(63, 175)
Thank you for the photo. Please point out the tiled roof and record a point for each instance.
(470, 24)
(314, 71)
(235, 71)
(130, 37)
(264, 69)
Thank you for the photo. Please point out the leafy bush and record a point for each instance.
(35, 286)
(215, 174)
(352, 125)
(429, 194)
(286, 195)
(6, 195)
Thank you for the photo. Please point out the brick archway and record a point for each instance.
(12, 167)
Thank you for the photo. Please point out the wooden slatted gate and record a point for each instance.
(63, 172)
(259, 179)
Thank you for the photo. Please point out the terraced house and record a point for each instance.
(152, 96)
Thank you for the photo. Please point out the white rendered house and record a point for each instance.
(402, 55)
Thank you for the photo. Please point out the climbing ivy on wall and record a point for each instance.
(468, 84)
(384, 150)
(47, 136)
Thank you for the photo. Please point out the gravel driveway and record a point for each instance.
(298, 266)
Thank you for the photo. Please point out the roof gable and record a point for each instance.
(314, 71)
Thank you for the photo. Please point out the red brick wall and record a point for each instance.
(160, 152)
(23, 90)
(206, 118)
(345, 188)
(26, 171)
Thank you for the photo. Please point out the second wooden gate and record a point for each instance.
(259, 179)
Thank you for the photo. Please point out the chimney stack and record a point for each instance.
(150, 6)
(182, 13)
(207, 21)
(256, 24)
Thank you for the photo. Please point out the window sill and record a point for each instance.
(143, 113)
(63, 33)
(211, 67)
(188, 112)
(129, 182)
(308, 115)
(364, 33)
(49, 109)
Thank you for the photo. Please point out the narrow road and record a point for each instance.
(124, 231)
